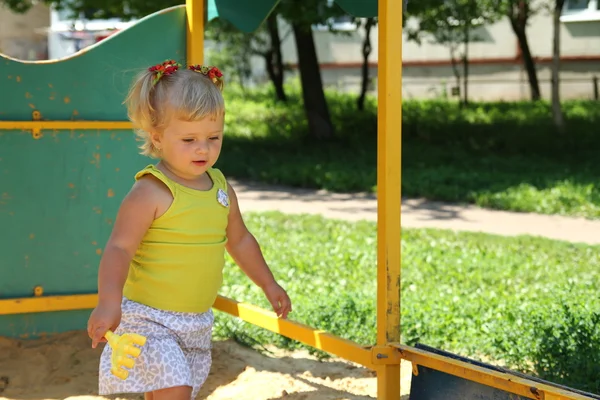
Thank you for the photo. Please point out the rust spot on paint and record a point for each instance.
(117, 169)
(28, 95)
(97, 147)
(67, 100)
(50, 86)
(75, 112)
(107, 156)
(24, 336)
(31, 236)
(98, 251)
(96, 159)
(52, 95)
(18, 78)
(111, 193)
(94, 243)
(109, 221)
(97, 210)
(71, 185)
(32, 106)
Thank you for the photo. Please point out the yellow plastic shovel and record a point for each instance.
(124, 352)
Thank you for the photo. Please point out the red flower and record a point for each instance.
(166, 68)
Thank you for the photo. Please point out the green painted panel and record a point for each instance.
(42, 324)
(245, 15)
(92, 83)
(359, 8)
(59, 195)
(248, 15)
(212, 11)
(59, 203)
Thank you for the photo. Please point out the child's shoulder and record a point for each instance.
(218, 175)
(150, 188)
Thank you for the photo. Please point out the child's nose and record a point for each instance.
(202, 148)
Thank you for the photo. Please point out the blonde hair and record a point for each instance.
(184, 94)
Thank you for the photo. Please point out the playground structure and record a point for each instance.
(67, 155)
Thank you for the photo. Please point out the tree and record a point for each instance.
(18, 6)
(453, 23)
(303, 15)
(366, 52)
(231, 51)
(518, 12)
(274, 58)
(235, 49)
(559, 119)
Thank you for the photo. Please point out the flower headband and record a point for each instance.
(166, 68)
(213, 73)
(170, 66)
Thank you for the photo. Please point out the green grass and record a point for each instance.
(496, 155)
(525, 302)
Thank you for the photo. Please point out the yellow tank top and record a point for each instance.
(179, 263)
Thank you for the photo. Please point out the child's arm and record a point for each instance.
(244, 249)
(135, 216)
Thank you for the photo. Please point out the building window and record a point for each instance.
(581, 10)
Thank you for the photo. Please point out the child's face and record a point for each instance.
(190, 148)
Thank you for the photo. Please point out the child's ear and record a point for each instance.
(156, 139)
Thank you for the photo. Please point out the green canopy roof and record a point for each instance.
(247, 15)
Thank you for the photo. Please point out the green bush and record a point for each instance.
(524, 128)
(498, 298)
(565, 346)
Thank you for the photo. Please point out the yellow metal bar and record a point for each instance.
(499, 380)
(255, 315)
(39, 304)
(195, 31)
(324, 341)
(316, 338)
(389, 189)
(65, 125)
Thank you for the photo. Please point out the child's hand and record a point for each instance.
(279, 299)
(103, 318)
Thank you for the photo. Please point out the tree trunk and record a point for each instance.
(465, 61)
(366, 52)
(559, 120)
(518, 20)
(315, 105)
(274, 59)
(529, 64)
(455, 70)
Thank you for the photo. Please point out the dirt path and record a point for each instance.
(416, 213)
(65, 367)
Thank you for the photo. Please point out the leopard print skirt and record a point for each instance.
(177, 351)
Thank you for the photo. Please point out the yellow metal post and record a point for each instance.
(195, 31)
(388, 190)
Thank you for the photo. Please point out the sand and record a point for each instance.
(65, 367)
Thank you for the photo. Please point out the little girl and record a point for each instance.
(162, 266)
